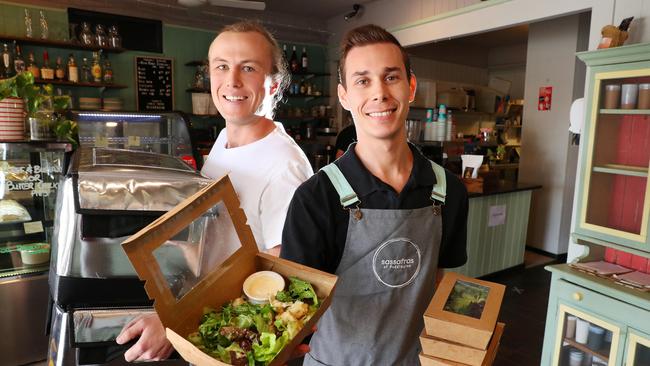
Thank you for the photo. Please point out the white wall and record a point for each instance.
(545, 137)
(421, 21)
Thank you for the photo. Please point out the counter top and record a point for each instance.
(505, 187)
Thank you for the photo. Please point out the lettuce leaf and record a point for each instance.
(269, 346)
(298, 290)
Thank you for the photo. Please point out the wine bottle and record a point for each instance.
(6, 62)
(32, 67)
(304, 60)
(47, 73)
(59, 71)
(19, 62)
(73, 70)
(293, 62)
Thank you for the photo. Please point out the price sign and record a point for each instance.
(154, 80)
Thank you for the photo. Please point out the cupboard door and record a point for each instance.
(638, 349)
(584, 339)
(614, 204)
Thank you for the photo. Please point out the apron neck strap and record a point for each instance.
(347, 196)
(439, 191)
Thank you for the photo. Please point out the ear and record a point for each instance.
(274, 88)
(413, 86)
(343, 97)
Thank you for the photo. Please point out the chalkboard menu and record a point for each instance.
(154, 80)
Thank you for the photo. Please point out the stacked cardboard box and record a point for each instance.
(460, 326)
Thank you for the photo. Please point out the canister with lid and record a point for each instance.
(612, 96)
(629, 96)
(644, 96)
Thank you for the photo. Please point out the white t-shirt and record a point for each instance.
(265, 174)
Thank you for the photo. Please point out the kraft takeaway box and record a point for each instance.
(215, 269)
(464, 310)
(445, 352)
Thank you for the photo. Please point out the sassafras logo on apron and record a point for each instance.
(396, 262)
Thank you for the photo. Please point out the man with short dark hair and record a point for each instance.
(382, 217)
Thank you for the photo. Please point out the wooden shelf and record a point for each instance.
(586, 349)
(87, 85)
(619, 169)
(625, 111)
(58, 44)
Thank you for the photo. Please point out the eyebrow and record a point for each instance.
(219, 59)
(386, 71)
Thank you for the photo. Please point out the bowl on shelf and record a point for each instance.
(37, 253)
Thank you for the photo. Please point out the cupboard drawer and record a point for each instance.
(601, 305)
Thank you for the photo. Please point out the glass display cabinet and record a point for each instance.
(613, 203)
(599, 305)
(29, 181)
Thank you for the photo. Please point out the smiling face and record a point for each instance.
(240, 68)
(377, 91)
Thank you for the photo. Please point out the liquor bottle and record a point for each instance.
(32, 67)
(86, 76)
(108, 72)
(96, 68)
(45, 29)
(6, 62)
(28, 24)
(47, 73)
(73, 70)
(293, 62)
(303, 87)
(59, 71)
(19, 62)
(284, 53)
(304, 60)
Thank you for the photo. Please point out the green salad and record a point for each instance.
(242, 333)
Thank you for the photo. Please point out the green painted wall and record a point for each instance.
(179, 43)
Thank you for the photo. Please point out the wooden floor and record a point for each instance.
(524, 312)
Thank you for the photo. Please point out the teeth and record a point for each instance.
(233, 98)
(380, 114)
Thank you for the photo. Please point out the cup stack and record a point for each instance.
(457, 333)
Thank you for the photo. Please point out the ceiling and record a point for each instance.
(316, 9)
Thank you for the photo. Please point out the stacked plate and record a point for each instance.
(113, 104)
(90, 103)
(12, 119)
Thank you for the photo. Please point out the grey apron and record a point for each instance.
(386, 281)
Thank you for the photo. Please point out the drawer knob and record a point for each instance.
(577, 296)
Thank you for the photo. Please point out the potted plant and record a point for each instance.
(45, 111)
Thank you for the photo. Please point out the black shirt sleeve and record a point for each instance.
(313, 222)
(453, 247)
